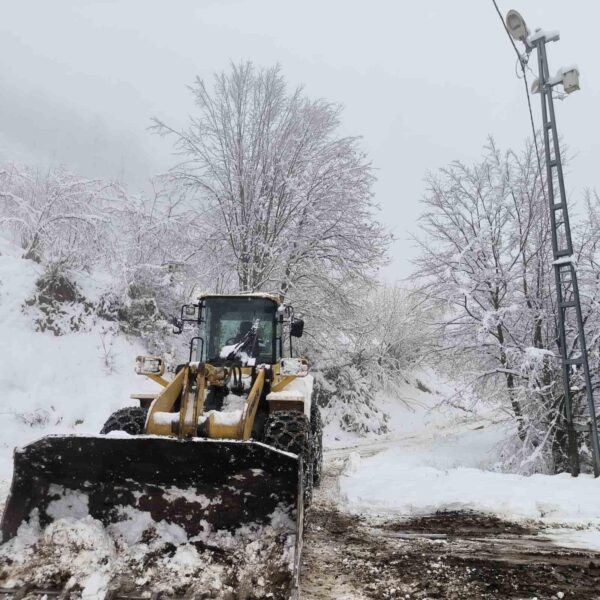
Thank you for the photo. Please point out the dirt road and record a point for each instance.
(449, 555)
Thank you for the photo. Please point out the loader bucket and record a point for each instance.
(191, 483)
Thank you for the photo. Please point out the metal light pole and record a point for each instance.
(571, 332)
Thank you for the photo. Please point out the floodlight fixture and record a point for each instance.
(570, 79)
(516, 26)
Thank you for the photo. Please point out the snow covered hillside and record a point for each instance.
(55, 384)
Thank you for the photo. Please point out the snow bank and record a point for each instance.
(55, 384)
(390, 481)
(581, 539)
(441, 458)
(452, 468)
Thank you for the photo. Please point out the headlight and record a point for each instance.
(149, 365)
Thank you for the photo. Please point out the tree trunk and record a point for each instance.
(510, 386)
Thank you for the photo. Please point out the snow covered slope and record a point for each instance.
(55, 384)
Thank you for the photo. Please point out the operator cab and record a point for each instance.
(240, 330)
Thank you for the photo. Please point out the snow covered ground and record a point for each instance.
(442, 459)
(55, 384)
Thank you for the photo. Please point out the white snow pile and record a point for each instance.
(400, 481)
(588, 539)
(439, 459)
(230, 413)
(136, 553)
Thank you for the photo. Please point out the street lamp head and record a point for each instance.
(516, 26)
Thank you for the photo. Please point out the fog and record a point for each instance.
(423, 82)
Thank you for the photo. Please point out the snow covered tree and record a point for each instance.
(402, 333)
(487, 256)
(147, 251)
(54, 215)
(280, 198)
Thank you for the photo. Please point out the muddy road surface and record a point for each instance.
(450, 555)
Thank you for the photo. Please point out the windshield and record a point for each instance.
(245, 323)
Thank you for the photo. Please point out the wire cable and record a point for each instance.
(526, 83)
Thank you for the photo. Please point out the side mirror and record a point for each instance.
(297, 328)
(177, 324)
(149, 365)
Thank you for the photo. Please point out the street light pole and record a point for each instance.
(565, 274)
(571, 334)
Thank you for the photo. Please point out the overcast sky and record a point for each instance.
(424, 82)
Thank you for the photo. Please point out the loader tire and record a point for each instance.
(316, 426)
(131, 419)
(290, 431)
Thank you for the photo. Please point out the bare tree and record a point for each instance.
(280, 198)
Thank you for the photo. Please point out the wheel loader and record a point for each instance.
(231, 437)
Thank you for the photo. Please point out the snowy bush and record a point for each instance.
(58, 305)
(40, 417)
(141, 317)
(349, 399)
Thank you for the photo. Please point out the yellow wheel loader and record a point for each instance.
(232, 438)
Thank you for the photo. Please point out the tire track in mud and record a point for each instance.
(446, 556)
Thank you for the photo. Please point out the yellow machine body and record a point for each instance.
(189, 387)
(201, 470)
